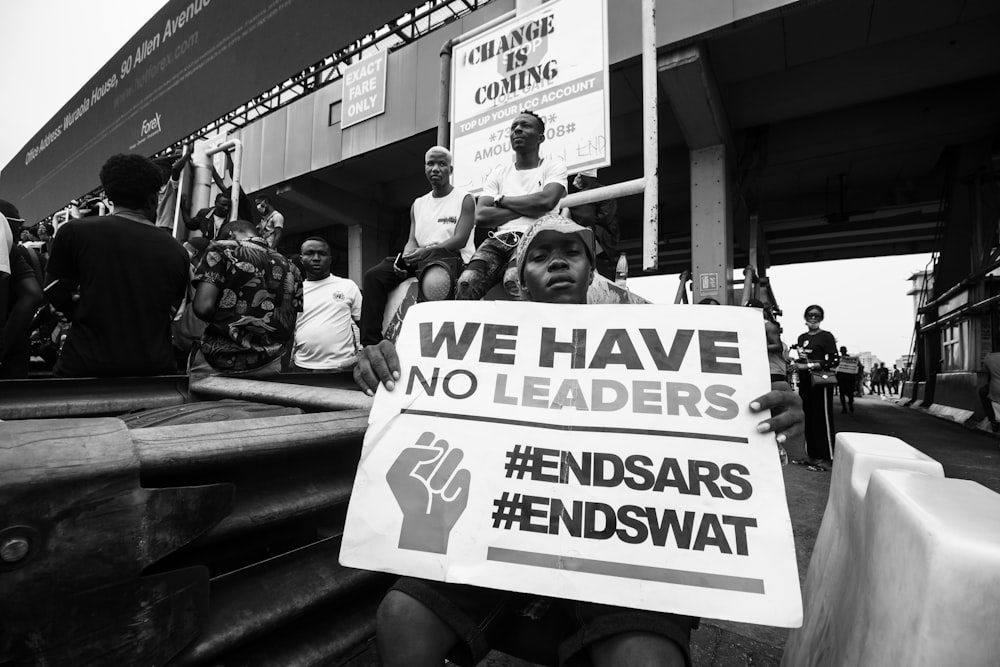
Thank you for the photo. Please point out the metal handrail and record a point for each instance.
(234, 190)
(682, 296)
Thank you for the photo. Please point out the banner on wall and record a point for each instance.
(193, 62)
(552, 60)
(542, 449)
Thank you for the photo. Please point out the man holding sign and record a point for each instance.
(421, 622)
(847, 379)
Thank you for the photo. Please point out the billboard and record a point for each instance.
(193, 62)
(552, 60)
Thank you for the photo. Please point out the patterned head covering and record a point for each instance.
(553, 222)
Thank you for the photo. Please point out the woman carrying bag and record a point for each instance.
(817, 358)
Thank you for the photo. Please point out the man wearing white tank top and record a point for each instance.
(441, 224)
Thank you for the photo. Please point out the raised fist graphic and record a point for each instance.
(431, 491)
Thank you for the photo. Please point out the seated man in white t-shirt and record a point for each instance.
(324, 335)
(514, 196)
(441, 224)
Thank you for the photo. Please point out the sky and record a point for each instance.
(865, 301)
(50, 48)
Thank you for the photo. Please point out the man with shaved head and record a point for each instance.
(441, 223)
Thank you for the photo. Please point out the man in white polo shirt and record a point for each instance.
(324, 335)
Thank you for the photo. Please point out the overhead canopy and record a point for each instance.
(193, 62)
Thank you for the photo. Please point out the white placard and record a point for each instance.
(596, 452)
(552, 60)
(364, 90)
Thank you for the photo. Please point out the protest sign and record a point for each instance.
(848, 364)
(552, 60)
(591, 452)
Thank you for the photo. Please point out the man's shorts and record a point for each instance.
(472, 612)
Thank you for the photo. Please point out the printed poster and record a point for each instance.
(552, 60)
(595, 452)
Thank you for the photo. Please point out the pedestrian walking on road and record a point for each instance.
(883, 379)
(847, 379)
(817, 352)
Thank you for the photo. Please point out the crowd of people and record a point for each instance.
(226, 302)
(232, 300)
(122, 298)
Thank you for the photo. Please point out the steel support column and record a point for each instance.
(711, 225)
(355, 268)
(694, 97)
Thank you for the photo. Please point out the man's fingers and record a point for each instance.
(788, 419)
(377, 363)
(783, 424)
(774, 399)
(380, 369)
(387, 351)
(364, 377)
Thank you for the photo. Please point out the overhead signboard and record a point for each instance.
(552, 60)
(538, 448)
(193, 62)
(364, 90)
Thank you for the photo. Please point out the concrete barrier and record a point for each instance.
(906, 566)
(920, 389)
(956, 397)
(907, 393)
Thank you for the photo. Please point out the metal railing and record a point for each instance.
(188, 544)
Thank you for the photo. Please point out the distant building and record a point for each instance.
(867, 360)
(922, 289)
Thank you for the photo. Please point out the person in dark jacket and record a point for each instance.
(817, 351)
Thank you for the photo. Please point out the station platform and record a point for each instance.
(965, 453)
